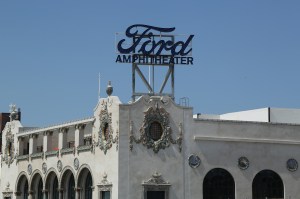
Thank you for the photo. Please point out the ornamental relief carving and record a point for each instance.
(9, 154)
(155, 132)
(105, 134)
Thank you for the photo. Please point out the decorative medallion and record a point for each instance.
(44, 168)
(243, 163)
(156, 132)
(29, 169)
(9, 153)
(106, 139)
(59, 165)
(194, 161)
(292, 165)
(76, 163)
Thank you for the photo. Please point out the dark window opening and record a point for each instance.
(88, 141)
(267, 184)
(155, 131)
(71, 144)
(39, 149)
(155, 195)
(9, 148)
(55, 189)
(40, 189)
(88, 186)
(25, 191)
(105, 195)
(218, 184)
(71, 188)
(106, 131)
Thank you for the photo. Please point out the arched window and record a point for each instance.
(88, 186)
(218, 183)
(267, 184)
(71, 188)
(40, 189)
(54, 188)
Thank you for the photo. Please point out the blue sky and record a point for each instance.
(246, 54)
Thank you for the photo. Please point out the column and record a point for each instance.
(21, 145)
(79, 134)
(77, 193)
(32, 143)
(30, 193)
(62, 142)
(61, 191)
(47, 142)
(45, 192)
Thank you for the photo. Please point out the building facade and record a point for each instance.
(154, 149)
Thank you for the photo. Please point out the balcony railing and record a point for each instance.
(83, 148)
(51, 153)
(67, 151)
(37, 155)
(23, 157)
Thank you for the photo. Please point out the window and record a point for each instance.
(40, 189)
(155, 195)
(105, 195)
(39, 149)
(155, 131)
(71, 144)
(25, 191)
(9, 146)
(87, 141)
(267, 184)
(71, 186)
(88, 187)
(218, 183)
(106, 131)
(54, 189)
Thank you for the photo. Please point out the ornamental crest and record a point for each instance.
(156, 131)
(156, 179)
(9, 154)
(106, 139)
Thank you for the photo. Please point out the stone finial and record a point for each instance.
(109, 89)
(13, 112)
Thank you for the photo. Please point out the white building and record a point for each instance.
(155, 149)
